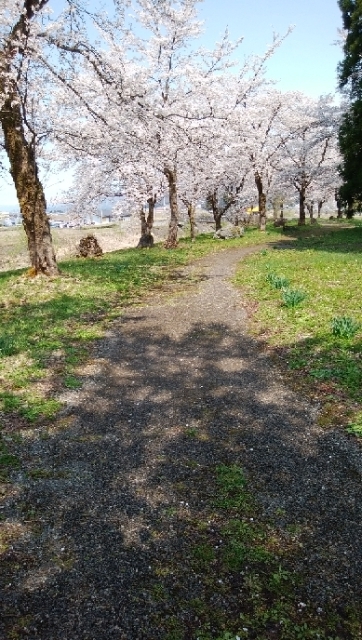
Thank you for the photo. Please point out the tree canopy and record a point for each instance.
(139, 110)
(350, 78)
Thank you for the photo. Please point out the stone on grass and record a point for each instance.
(227, 233)
(89, 247)
(279, 222)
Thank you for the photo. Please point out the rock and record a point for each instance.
(227, 233)
(89, 247)
(222, 234)
(280, 222)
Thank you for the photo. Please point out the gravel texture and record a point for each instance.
(91, 513)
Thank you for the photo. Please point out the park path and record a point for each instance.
(123, 457)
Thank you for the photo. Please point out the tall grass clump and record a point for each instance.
(344, 327)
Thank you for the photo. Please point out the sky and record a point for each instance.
(306, 61)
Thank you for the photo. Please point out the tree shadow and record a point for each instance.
(113, 497)
(327, 238)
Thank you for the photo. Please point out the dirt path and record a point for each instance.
(175, 388)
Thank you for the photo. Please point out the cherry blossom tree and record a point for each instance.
(178, 113)
(41, 50)
(309, 145)
(19, 27)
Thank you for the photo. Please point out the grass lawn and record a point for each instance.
(318, 339)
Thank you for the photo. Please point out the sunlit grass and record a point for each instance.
(328, 268)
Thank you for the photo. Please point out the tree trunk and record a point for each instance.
(350, 211)
(276, 206)
(171, 241)
(191, 215)
(338, 203)
(146, 240)
(282, 210)
(320, 205)
(217, 218)
(310, 207)
(262, 202)
(212, 200)
(24, 171)
(301, 221)
(144, 227)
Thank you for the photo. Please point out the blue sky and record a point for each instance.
(306, 61)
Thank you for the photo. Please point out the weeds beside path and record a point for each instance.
(184, 492)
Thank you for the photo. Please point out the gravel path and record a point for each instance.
(95, 507)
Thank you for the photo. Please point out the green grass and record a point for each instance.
(247, 586)
(355, 426)
(49, 325)
(278, 282)
(320, 340)
(293, 297)
(345, 327)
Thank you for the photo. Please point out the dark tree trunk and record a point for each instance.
(262, 202)
(282, 210)
(339, 210)
(350, 211)
(144, 227)
(320, 206)
(217, 218)
(338, 203)
(217, 213)
(171, 241)
(301, 221)
(191, 215)
(24, 171)
(146, 240)
(151, 212)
